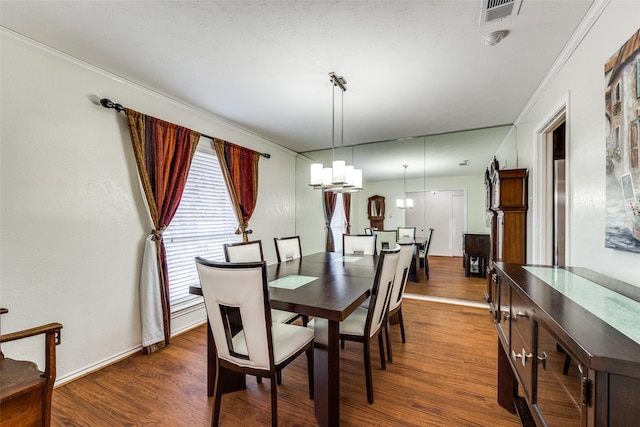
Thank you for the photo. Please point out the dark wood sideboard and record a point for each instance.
(475, 247)
(559, 362)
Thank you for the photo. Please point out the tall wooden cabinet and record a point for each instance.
(507, 209)
(507, 203)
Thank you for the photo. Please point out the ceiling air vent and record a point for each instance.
(498, 9)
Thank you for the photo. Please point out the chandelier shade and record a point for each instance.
(405, 203)
(340, 177)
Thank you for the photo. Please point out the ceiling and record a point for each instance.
(412, 68)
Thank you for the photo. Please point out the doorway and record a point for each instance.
(443, 211)
(552, 190)
(558, 185)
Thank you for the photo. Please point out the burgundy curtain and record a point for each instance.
(163, 153)
(346, 204)
(329, 204)
(240, 169)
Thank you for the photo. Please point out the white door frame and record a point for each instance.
(542, 247)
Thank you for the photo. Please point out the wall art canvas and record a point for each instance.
(622, 111)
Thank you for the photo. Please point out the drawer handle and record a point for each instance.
(523, 356)
(521, 314)
(543, 360)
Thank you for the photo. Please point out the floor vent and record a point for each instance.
(497, 9)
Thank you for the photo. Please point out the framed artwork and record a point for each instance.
(622, 115)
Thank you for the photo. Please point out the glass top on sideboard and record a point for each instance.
(619, 311)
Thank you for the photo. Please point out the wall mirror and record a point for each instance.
(433, 166)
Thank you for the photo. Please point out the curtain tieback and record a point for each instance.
(157, 234)
(242, 228)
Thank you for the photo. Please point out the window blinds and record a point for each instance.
(203, 222)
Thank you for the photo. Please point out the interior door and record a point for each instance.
(444, 212)
(457, 223)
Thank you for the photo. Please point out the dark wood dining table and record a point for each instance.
(336, 286)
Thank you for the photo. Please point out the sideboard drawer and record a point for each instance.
(523, 359)
(522, 318)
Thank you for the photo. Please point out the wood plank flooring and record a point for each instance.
(445, 375)
(446, 280)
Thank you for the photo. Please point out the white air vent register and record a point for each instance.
(498, 9)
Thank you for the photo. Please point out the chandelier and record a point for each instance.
(405, 203)
(340, 177)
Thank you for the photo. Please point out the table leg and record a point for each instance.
(507, 383)
(327, 372)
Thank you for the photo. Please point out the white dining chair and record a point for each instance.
(252, 252)
(243, 251)
(423, 253)
(365, 323)
(406, 233)
(407, 252)
(288, 248)
(358, 244)
(385, 239)
(247, 341)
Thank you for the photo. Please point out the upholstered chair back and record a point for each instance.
(236, 299)
(406, 233)
(380, 293)
(358, 244)
(288, 248)
(244, 252)
(385, 239)
(402, 273)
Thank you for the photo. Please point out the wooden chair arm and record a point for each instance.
(44, 329)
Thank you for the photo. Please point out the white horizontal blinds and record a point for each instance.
(203, 222)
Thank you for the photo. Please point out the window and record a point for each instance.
(338, 224)
(204, 221)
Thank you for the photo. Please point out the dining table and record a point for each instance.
(327, 286)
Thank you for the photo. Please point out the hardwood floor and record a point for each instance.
(445, 374)
(446, 280)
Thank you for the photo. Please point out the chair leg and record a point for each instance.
(383, 361)
(279, 377)
(310, 370)
(401, 323)
(342, 344)
(367, 371)
(388, 338)
(305, 320)
(274, 402)
(217, 397)
(426, 267)
(259, 380)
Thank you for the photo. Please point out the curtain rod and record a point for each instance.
(107, 103)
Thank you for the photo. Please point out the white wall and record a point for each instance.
(473, 187)
(581, 81)
(72, 216)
